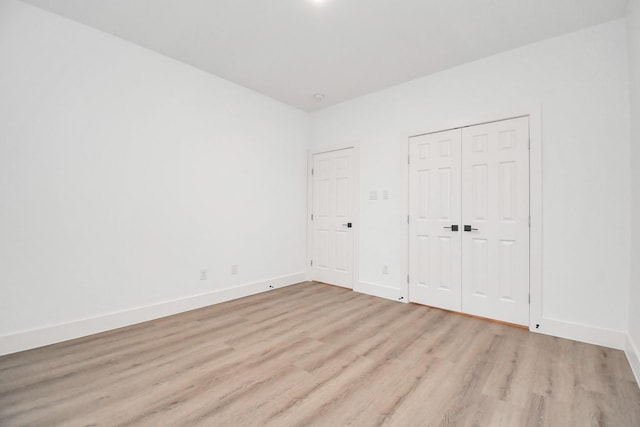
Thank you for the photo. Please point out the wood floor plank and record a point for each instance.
(318, 355)
(514, 370)
(425, 402)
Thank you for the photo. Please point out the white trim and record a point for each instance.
(356, 214)
(633, 355)
(534, 112)
(382, 291)
(404, 195)
(309, 213)
(356, 207)
(473, 120)
(535, 210)
(26, 340)
(579, 332)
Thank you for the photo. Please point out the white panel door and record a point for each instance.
(332, 218)
(495, 207)
(434, 214)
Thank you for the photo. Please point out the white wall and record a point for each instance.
(123, 173)
(580, 80)
(633, 38)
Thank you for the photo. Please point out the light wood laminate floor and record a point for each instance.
(313, 354)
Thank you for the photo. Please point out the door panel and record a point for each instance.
(495, 203)
(477, 177)
(434, 188)
(333, 193)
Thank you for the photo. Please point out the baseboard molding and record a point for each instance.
(549, 326)
(381, 291)
(577, 332)
(633, 355)
(79, 328)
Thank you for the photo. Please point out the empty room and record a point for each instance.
(320, 213)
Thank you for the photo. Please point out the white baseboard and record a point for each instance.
(633, 355)
(577, 332)
(79, 328)
(381, 291)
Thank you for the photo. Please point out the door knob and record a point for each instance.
(468, 228)
(454, 227)
(348, 225)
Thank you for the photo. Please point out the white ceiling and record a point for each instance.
(292, 49)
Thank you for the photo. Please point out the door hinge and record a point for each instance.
(312, 171)
(311, 263)
(311, 217)
(409, 159)
(529, 143)
(529, 220)
(407, 279)
(529, 298)
(408, 219)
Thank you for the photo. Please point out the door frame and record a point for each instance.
(356, 208)
(535, 193)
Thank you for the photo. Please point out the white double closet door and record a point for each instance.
(469, 220)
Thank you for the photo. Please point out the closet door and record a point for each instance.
(495, 220)
(434, 213)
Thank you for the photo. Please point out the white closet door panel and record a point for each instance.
(434, 194)
(495, 203)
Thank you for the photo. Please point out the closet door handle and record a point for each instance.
(454, 227)
(468, 228)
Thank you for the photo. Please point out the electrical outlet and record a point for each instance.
(203, 274)
(234, 269)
